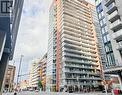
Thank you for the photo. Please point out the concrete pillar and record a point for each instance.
(3, 66)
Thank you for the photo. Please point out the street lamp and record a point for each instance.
(19, 68)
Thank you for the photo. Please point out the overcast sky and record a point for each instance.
(33, 32)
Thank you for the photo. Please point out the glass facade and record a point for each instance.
(51, 56)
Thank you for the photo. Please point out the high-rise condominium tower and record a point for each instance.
(110, 17)
(73, 58)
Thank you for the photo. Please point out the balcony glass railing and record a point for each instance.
(115, 24)
(111, 8)
(117, 34)
(111, 16)
(81, 72)
(108, 2)
(120, 45)
(84, 78)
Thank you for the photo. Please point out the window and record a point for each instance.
(108, 47)
(110, 6)
(104, 21)
(103, 30)
(101, 23)
(99, 8)
(105, 39)
(110, 58)
(106, 29)
(108, 38)
(102, 14)
(98, 1)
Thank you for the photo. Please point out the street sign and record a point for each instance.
(6, 8)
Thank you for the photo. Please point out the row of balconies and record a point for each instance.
(78, 38)
(68, 21)
(79, 52)
(81, 66)
(108, 2)
(78, 15)
(81, 61)
(83, 83)
(83, 5)
(80, 56)
(80, 72)
(73, 42)
(71, 37)
(113, 16)
(84, 78)
(80, 31)
(76, 29)
(78, 7)
(112, 8)
(82, 47)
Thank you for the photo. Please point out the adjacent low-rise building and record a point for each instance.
(9, 78)
(23, 85)
(34, 74)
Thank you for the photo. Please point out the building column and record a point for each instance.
(3, 66)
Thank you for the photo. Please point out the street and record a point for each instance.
(52, 93)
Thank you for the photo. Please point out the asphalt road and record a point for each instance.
(52, 93)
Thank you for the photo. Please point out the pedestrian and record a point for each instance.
(15, 93)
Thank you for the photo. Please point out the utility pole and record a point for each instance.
(19, 68)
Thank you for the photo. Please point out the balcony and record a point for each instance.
(112, 17)
(112, 8)
(76, 72)
(83, 78)
(120, 46)
(116, 25)
(71, 50)
(81, 62)
(73, 55)
(80, 67)
(108, 2)
(117, 35)
(81, 83)
(71, 46)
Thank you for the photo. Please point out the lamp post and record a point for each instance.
(19, 68)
